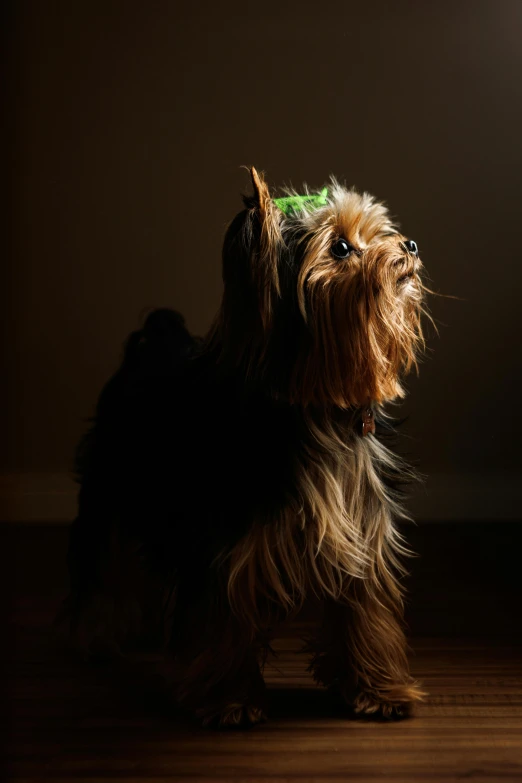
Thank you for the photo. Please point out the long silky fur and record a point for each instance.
(339, 529)
(354, 336)
(302, 344)
(337, 539)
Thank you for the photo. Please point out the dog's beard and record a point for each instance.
(365, 331)
(354, 339)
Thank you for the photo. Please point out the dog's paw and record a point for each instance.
(396, 704)
(235, 716)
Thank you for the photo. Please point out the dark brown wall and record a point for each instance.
(132, 120)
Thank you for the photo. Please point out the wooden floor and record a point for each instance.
(70, 721)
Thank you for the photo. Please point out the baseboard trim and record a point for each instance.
(52, 497)
(38, 497)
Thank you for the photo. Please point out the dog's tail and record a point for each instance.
(159, 351)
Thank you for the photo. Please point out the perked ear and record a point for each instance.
(251, 253)
(261, 192)
(265, 257)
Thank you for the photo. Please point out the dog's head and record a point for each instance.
(322, 299)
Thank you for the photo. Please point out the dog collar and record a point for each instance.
(290, 205)
(368, 422)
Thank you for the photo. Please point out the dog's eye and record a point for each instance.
(341, 248)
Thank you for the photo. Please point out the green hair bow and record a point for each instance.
(290, 205)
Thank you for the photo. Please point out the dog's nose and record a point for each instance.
(411, 247)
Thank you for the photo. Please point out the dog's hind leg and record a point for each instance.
(105, 606)
(222, 681)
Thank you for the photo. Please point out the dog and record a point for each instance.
(225, 479)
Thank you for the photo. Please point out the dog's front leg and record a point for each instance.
(378, 652)
(361, 650)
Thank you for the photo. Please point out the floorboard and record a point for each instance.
(71, 721)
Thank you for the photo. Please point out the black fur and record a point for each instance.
(179, 459)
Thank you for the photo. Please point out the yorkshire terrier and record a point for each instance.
(226, 479)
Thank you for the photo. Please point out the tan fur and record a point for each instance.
(340, 526)
(361, 334)
(338, 542)
(360, 331)
(265, 259)
(368, 333)
(336, 538)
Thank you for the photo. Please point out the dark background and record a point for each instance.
(129, 122)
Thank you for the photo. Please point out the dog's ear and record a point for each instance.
(260, 200)
(267, 246)
(261, 197)
(251, 254)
